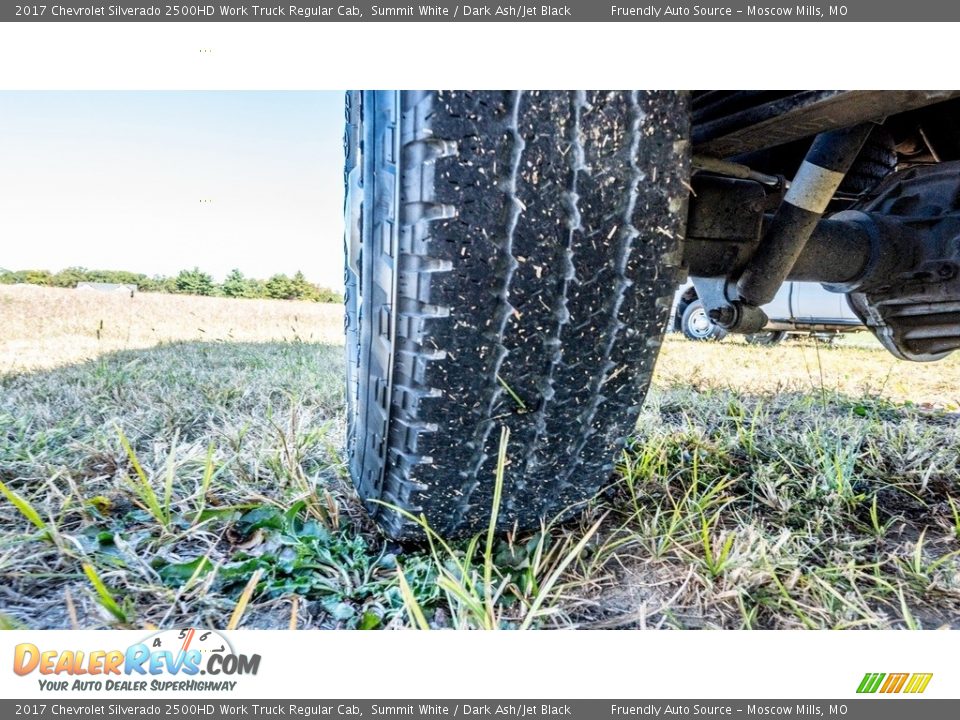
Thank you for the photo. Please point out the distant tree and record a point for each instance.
(306, 290)
(158, 283)
(151, 284)
(69, 277)
(257, 288)
(125, 277)
(301, 289)
(31, 277)
(326, 295)
(35, 277)
(237, 286)
(194, 282)
(280, 287)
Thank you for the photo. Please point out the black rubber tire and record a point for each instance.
(353, 196)
(770, 337)
(693, 321)
(518, 258)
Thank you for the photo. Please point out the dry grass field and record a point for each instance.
(44, 327)
(163, 455)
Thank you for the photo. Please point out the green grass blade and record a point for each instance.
(492, 528)
(208, 475)
(558, 571)
(24, 506)
(168, 484)
(410, 601)
(141, 484)
(956, 516)
(103, 593)
(516, 398)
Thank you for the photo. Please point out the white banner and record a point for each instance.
(574, 664)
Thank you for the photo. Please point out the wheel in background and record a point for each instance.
(696, 325)
(827, 338)
(770, 337)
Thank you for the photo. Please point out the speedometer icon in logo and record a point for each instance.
(207, 642)
(194, 651)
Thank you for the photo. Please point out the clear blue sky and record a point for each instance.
(115, 180)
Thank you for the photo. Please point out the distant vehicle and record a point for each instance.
(798, 308)
(116, 288)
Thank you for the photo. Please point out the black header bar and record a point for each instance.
(450, 11)
(214, 707)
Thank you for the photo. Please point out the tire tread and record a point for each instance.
(536, 249)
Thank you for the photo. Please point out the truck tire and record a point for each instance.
(697, 326)
(512, 259)
(770, 337)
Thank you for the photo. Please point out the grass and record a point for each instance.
(149, 478)
(50, 327)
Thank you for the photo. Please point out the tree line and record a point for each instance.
(186, 282)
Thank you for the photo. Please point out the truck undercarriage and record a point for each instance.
(768, 204)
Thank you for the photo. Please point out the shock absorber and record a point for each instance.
(811, 190)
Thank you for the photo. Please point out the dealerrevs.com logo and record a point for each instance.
(169, 660)
(891, 683)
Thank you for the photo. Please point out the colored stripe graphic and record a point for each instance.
(918, 682)
(870, 682)
(894, 683)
